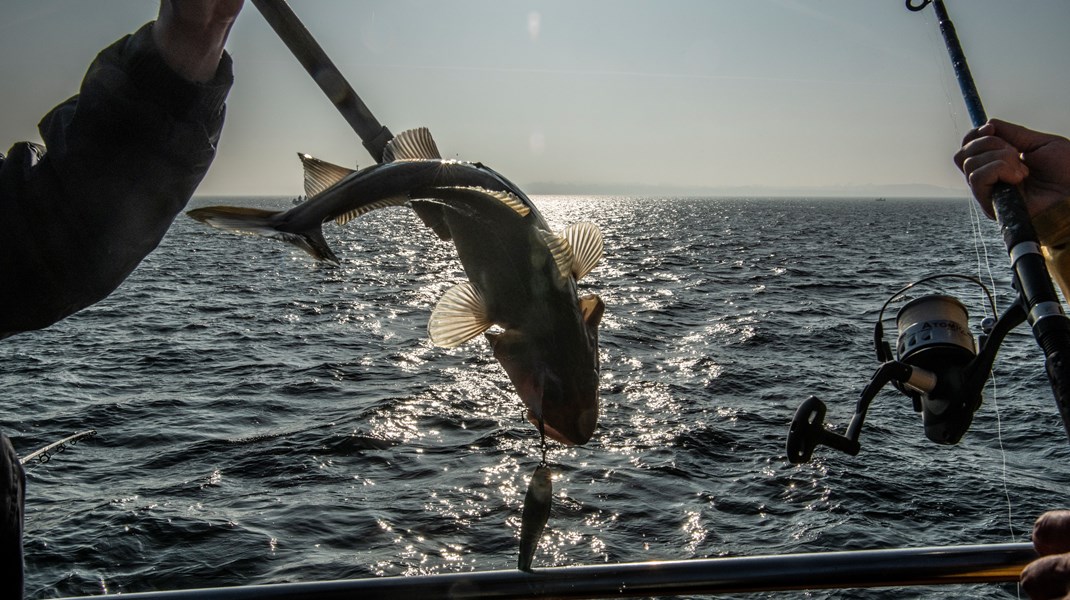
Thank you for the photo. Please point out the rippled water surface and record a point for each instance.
(264, 419)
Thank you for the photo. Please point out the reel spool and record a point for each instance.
(934, 336)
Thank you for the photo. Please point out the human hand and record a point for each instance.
(999, 151)
(1048, 577)
(190, 35)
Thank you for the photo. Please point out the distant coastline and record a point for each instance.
(906, 190)
(890, 191)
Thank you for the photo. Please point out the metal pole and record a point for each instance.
(1051, 328)
(851, 569)
(312, 57)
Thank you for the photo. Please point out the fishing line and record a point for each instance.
(981, 247)
(947, 74)
(983, 268)
(981, 252)
(983, 263)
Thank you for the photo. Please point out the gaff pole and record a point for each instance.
(1036, 293)
(327, 76)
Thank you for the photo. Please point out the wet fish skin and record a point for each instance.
(549, 346)
(521, 276)
(387, 184)
(536, 512)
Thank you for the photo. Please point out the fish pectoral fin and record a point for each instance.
(413, 144)
(561, 250)
(587, 247)
(459, 316)
(592, 308)
(586, 242)
(320, 174)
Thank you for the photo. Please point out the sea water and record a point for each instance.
(262, 418)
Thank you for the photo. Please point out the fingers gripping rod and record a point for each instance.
(1050, 326)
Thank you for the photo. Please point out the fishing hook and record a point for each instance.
(918, 7)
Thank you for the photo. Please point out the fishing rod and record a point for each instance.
(937, 363)
(45, 454)
(946, 565)
(1036, 293)
(308, 52)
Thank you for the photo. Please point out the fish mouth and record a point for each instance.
(568, 419)
(580, 436)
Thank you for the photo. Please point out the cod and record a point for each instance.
(521, 275)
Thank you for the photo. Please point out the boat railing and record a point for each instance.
(898, 567)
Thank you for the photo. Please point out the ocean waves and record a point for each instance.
(263, 419)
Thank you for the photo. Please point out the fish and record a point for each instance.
(536, 513)
(521, 289)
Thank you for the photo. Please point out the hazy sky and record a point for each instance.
(659, 94)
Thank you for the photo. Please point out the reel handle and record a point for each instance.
(808, 431)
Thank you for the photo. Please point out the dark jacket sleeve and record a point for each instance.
(123, 158)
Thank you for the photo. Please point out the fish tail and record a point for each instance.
(258, 221)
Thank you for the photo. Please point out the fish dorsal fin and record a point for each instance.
(561, 250)
(346, 217)
(320, 174)
(511, 201)
(506, 198)
(414, 144)
(459, 316)
(586, 242)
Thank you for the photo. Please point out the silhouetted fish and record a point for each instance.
(521, 275)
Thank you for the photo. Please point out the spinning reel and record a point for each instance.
(936, 364)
